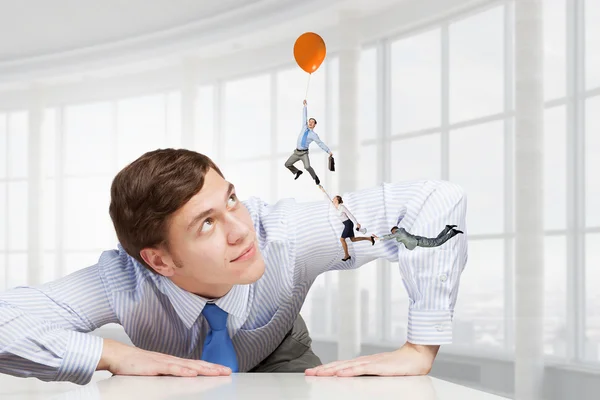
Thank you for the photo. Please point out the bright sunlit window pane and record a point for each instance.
(416, 82)
(141, 122)
(174, 130)
(291, 87)
(592, 43)
(17, 215)
(592, 291)
(89, 136)
(48, 273)
(16, 270)
(367, 95)
(3, 216)
(477, 65)
(555, 277)
(87, 222)
(49, 142)
(74, 261)
(3, 145)
(2, 272)
(246, 117)
(333, 94)
(477, 164)
(256, 185)
(18, 130)
(479, 318)
(48, 217)
(592, 161)
(416, 158)
(303, 189)
(367, 167)
(555, 166)
(205, 122)
(555, 36)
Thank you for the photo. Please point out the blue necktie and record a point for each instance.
(303, 143)
(218, 348)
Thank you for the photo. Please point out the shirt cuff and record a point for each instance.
(81, 358)
(429, 327)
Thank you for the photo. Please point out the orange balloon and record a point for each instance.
(309, 51)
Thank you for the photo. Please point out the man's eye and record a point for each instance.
(232, 200)
(207, 225)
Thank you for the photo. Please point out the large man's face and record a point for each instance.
(212, 242)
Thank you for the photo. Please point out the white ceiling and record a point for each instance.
(41, 27)
(41, 40)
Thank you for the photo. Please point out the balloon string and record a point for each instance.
(308, 83)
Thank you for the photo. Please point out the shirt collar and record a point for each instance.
(189, 306)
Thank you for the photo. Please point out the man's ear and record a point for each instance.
(158, 260)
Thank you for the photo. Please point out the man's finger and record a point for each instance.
(177, 370)
(333, 371)
(338, 363)
(363, 369)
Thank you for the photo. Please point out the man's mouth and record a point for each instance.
(247, 254)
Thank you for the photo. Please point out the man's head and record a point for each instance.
(312, 123)
(394, 229)
(175, 213)
(337, 200)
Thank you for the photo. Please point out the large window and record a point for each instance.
(480, 305)
(477, 66)
(14, 132)
(416, 158)
(478, 166)
(592, 149)
(592, 42)
(291, 88)
(592, 239)
(555, 60)
(416, 75)
(246, 118)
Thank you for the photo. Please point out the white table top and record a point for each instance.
(242, 386)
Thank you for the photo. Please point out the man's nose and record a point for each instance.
(237, 231)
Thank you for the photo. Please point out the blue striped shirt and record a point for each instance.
(312, 136)
(43, 330)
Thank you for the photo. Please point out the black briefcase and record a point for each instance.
(331, 163)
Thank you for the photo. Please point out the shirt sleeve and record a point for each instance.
(304, 117)
(431, 275)
(43, 331)
(318, 141)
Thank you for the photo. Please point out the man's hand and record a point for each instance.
(410, 359)
(331, 154)
(358, 226)
(304, 102)
(121, 359)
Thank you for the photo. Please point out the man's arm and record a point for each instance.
(43, 334)
(388, 237)
(431, 275)
(322, 145)
(43, 331)
(304, 115)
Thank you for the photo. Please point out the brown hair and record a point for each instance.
(339, 199)
(146, 193)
